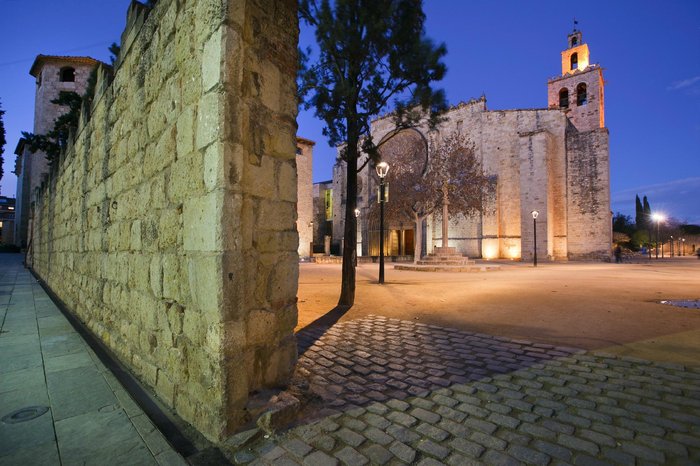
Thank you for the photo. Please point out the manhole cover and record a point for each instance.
(687, 303)
(25, 414)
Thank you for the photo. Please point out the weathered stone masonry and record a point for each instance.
(169, 225)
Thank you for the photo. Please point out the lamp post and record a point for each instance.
(658, 218)
(682, 246)
(311, 244)
(357, 225)
(382, 169)
(534, 230)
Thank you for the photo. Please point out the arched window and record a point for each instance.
(574, 41)
(564, 98)
(574, 61)
(67, 75)
(581, 97)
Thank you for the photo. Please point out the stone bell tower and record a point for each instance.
(579, 89)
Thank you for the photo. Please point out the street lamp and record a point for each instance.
(682, 248)
(311, 244)
(382, 169)
(357, 224)
(534, 229)
(670, 246)
(658, 218)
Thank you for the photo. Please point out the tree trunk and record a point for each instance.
(445, 221)
(418, 239)
(347, 288)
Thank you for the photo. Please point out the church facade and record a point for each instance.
(552, 160)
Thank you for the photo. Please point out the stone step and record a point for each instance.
(446, 262)
(445, 258)
(448, 268)
(447, 250)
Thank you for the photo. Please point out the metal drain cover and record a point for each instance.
(25, 414)
(687, 303)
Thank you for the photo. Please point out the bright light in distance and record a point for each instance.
(657, 217)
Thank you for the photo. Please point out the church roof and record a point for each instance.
(41, 60)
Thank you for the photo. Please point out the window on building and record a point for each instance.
(581, 97)
(564, 98)
(574, 41)
(574, 61)
(67, 75)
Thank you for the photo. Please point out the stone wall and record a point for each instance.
(540, 161)
(169, 225)
(588, 196)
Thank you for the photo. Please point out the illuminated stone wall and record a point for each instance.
(169, 225)
(540, 162)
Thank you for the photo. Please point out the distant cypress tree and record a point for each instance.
(638, 213)
(647, 211)
(647, 219)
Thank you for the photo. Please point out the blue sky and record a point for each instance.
(650, 52)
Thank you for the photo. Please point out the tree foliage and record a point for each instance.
(419, 191)
(372, 55)
(623, 223)
(647, 213)
(639, 219)
(114, 50)
(2, 143)
(53, 142)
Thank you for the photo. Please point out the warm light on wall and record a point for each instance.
(490, 252)
(582, 55)
(513, 252)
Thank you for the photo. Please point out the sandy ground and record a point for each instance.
(609, 307)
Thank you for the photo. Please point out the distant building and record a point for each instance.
(554, 160)
(53, 74)
(323, 214)
(7, 220)
(305, 200)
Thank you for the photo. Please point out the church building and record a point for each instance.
(552, 160)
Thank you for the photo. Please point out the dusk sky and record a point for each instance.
(650, 52)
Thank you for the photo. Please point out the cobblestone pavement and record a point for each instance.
(408, 393)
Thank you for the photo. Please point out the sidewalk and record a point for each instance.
(58, 403)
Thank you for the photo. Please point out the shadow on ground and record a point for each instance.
(376, 359)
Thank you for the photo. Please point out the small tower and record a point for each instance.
(53, 74)
(579, 89)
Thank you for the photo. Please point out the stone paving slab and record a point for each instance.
(408, 393)
(44, 362)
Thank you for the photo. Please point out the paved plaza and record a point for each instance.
(401, 385)
(402, 392)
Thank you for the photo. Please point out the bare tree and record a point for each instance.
(452, 177)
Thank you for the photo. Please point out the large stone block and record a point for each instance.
(205, 279)
(185, 131)
(209, 120)
(212, 60)
(276, 215)
(202, 222)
